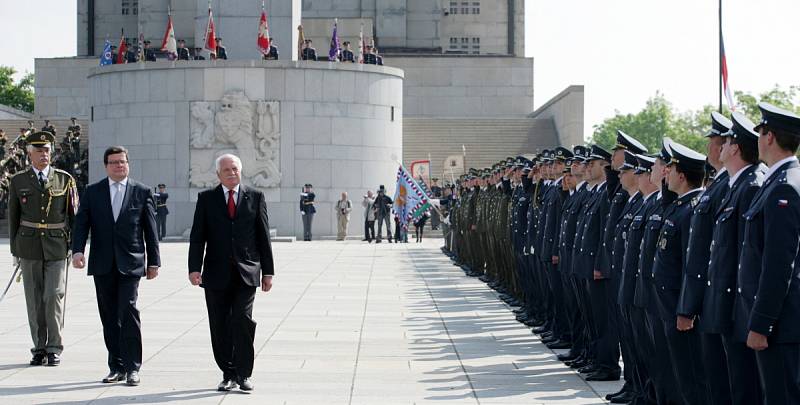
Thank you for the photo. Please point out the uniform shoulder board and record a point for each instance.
(655, 217)
(704, 198)
(63, 172)
(695, 201)
(637, 218)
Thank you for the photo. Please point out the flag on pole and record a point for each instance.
(410, 201)
(724, 67)
(211, 36)
(140, 47)
(169, 45)
(333, 53)
(263, 33)
(421, 169)
(107, 58)
(301, 38)
(361, 44)
(123, 49)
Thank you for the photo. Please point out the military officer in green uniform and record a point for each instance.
(42, 204)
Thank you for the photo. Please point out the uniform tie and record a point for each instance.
(42, 180)
(116, 203)
(231, 205)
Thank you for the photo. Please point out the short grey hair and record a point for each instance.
(236, 161)
(29, 147)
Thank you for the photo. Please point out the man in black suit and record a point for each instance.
(120, 213)
(230, 243)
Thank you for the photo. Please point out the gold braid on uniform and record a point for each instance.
(52, 194)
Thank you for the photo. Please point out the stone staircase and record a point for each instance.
(486, 140)
(12, 129)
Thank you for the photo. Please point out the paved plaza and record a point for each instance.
(346, 323)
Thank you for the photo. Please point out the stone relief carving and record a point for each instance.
(250, 130)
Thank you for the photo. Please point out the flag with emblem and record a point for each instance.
(333, 53)
(107, 58)
(723, 65)
(211, 35)
(168, 44)
(123, 49)
(410, 201)
(263, 32)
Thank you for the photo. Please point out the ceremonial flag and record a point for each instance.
(140, 47)
(107, 58)
(301, 38)
(361, 44)
(169, 45)
(724, 72)
(263, 33)
(211, 35)
(410, 201)
(123, 49)
(333, 53)
(421, 169)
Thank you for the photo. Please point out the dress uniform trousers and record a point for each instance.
(742, 372)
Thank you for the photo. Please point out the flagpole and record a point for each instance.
(719, 72)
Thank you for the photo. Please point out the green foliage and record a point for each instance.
(658, 119)
(17, 95)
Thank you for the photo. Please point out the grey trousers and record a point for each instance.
(381, 221)
(44, 283)
(307, 220)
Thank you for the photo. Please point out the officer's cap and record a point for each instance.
(309, 185)
(562, 153)
(599, 153)
(580, 152)
(627, 142)
(41, 139)
(686, 159)
(778, 118)
(644, 164)
(520, 161)
(666, 153)
(629, 163)
(162, 185)
(547, 155)
(742, 129)
(720, 124)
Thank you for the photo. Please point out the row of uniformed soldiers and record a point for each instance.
(683, 264)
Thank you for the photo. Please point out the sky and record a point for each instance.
(622, 51)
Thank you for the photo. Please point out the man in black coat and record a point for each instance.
(767, 309)
(230, 243)
(183, 51)
(120, 214)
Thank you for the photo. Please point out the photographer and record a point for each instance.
(369, 216)
(383, 213)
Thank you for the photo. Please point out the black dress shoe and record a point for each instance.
(549, 339)
(559, 344)
(245, 384)
(53, 359)
(539, 330)
(37, 359)
(227, 384)
(621, 391)
(603, 376)
(133, 378)
(578, 359)
(565, 357)
(114, 376)
(623, 398)
(588, 369)
(546, 334)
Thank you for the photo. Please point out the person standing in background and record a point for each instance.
(161, 210)
(343, 208)
(307, 210)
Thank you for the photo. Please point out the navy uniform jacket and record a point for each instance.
(673, 242)
(569, 224)
(644, 297)
(589, 239)
(619, 199)
(533, 216)
(161, 203)
(700, 235)
(183, 54)
(620, 241)
(541, 219)
(273, 52)
(307, 203)
(768, 300)
(347, 56)
(309, 54)
(716, 315)
(222, 53)
(552, 221)
(633, 244)
(522, 200)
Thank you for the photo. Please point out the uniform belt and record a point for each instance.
(35, 225)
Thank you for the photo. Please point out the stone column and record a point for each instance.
(237, 24)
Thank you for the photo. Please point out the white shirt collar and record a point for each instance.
(578, 187)
(45, 171)
(774, 168)
(633, 196)
(719, 173)
(123, 182)
(732, 179)
(235, 190)
(691, 191)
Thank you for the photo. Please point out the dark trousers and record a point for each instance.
(743, 372)
(716, 368)
(561, 322)
(116, 300)
(686, 353)
(369, 230)
(230, 317)
(629, 357)
(645, 353)
(162, 226)
(605, 324)
(779, 369)
(662, 372)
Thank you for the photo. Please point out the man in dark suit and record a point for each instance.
(120, 213)
(230, 243)
(183, 51)
(221, 51)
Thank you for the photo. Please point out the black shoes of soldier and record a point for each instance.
(227, 384)
(38, 359)
(114, 376)
(603, 376)
(53, 359)
(559, 344)
(133, 378)
(245, 384)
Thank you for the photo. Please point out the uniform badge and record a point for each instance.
(783, 203)
(624, 235)
(24, 200)
(662, 244)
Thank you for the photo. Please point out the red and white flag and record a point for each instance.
(263, 34)
(211, 36)
(361, 44)
(168, 45)
(123, 49)
(724, 72)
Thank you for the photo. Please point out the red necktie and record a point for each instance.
(231, 205)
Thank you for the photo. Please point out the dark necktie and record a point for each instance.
(231, 205)
(42, 180)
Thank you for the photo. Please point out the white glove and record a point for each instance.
(302, 213)
(16, 261)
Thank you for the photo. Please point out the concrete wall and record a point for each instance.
(10, 113)
(490, 26)
(566, 111)
(336, 129)
(61, 87)
(466, 86)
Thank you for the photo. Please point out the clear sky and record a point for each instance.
(622, 51)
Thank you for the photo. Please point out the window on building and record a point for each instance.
(464, 7)
(476, 45)
(453, 7)
(464, 43)
(476, 7)
(130, 7)
(454, 44)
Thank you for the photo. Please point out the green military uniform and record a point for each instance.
(40, 217)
